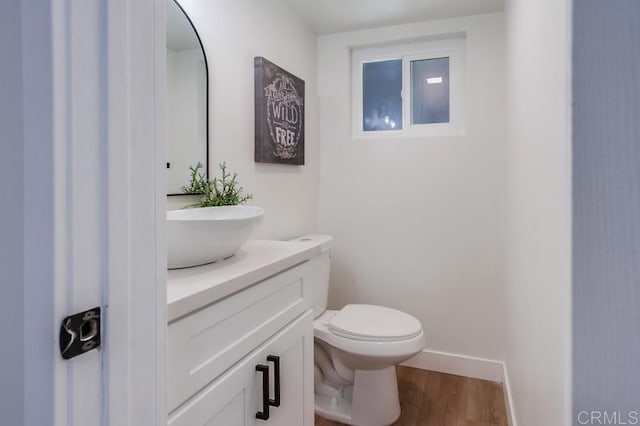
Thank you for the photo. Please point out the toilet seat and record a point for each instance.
(375, 346)
(371, 323)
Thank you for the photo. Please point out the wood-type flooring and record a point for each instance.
(428, 398)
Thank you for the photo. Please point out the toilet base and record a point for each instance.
(375, 400)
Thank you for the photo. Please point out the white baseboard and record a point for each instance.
(508, 398)
(460, 365)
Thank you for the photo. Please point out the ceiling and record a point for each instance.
(332, 16)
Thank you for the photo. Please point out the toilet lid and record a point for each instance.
(374, 323)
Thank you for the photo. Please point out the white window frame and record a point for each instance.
(453, 48)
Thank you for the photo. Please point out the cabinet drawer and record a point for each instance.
(234, 398)
(204, 344)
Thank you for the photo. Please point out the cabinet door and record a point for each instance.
(236, 397)
(205, 344)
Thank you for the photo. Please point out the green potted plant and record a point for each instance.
(219, 191)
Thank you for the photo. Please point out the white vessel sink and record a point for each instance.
(205, 235)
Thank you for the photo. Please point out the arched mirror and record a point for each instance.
(187, 100)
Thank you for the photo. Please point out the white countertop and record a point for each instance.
(190, 289)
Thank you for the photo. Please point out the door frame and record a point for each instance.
(137, 212)
(124, 382)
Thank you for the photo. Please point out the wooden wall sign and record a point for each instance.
(279, 115)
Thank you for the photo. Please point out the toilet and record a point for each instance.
(356, 349)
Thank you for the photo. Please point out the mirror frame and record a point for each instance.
(206, 70)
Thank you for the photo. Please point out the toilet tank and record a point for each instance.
(320, 270)
(321, 267)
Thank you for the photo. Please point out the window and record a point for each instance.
(409, 90)
(382, 95)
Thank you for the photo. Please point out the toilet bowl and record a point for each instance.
(356, 349)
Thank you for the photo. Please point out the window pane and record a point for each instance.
(430, 91)
(382, 95)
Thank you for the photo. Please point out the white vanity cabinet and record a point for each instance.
(224, 348)
(237, 396)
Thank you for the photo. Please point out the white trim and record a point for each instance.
(135, 348)
(160, 225)
(459, 365)
(93, 117)
(117, 330)
(508, 398)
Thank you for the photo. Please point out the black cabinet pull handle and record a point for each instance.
(264, 414)
(276, 379)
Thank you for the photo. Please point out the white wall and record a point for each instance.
(419, 223)
(538, 261)
(11, 218)
(233, 32)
